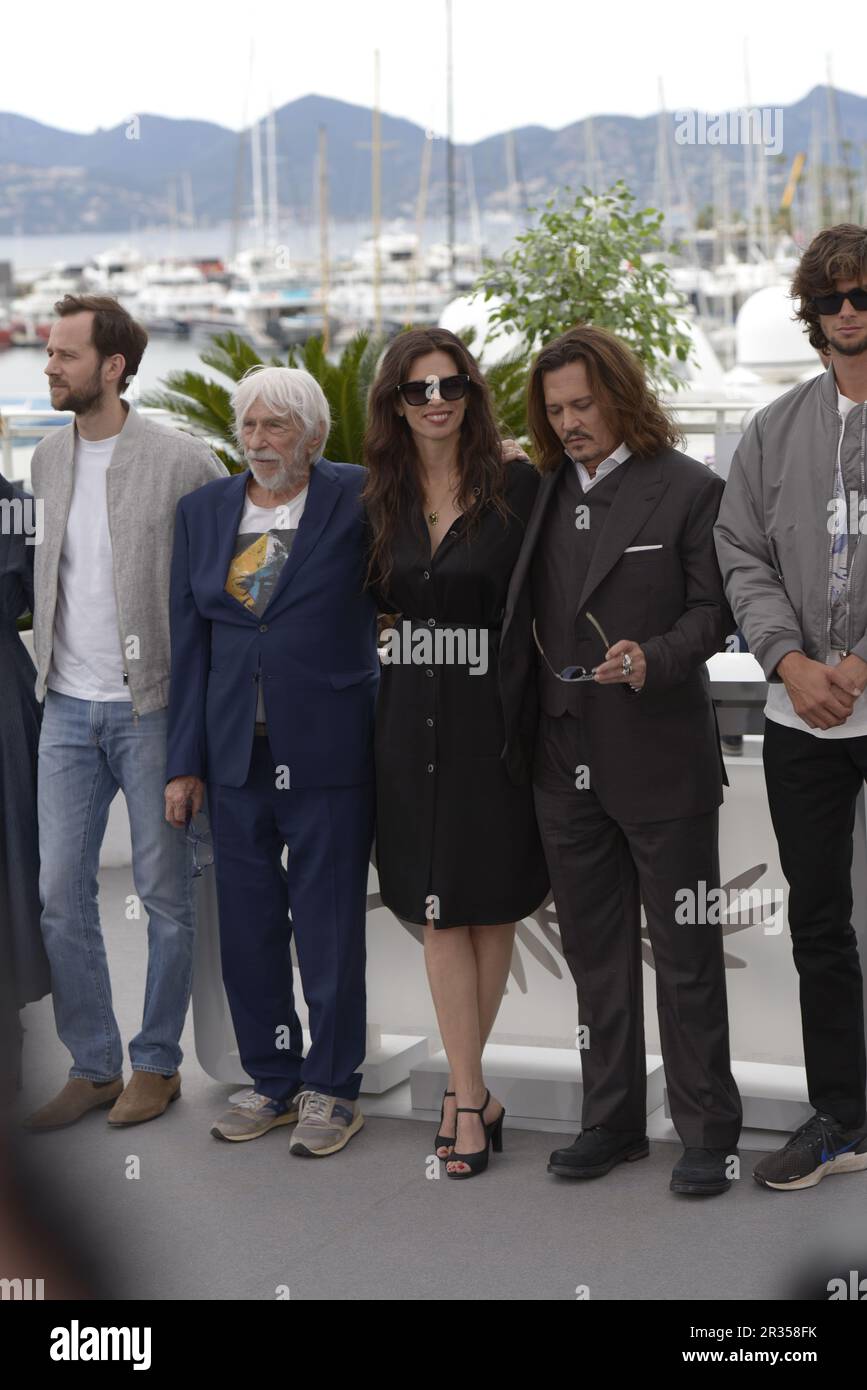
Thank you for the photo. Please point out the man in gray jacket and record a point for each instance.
(109, 484)
(788, 542)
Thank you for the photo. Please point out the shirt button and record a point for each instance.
(431, 622)
(426, 574)
(429, 723)
(263, 627)
(428, 672)
(430, 767)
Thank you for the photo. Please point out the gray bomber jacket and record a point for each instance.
(153, 466)
(772, 534)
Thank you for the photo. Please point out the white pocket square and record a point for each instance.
(631, 548)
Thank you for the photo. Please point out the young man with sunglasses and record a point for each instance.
(789, 544)
(619, 584)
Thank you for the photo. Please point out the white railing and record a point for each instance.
(25, 425)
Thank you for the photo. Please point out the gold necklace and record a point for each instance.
(433, 517)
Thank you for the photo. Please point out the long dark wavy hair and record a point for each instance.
(392, 492)
(837, 253)
(619, 386)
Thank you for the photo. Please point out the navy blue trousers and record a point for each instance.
(328, 832)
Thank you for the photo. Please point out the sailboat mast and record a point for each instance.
(258, 206)
(420, 213)
(475, 217)
(836, 180)
(376, 197)
(749, 183)
(324, 271)
(663, 166)
(450, 145)
(271, 154)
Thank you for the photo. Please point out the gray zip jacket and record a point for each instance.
(774, 531)
(153, 466)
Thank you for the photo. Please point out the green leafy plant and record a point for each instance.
(205, 404)
(507, 382)
(594, 261)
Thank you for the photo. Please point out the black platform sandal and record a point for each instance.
(442, 1141)
(478, 1162)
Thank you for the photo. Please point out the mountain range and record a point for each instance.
(154, 169)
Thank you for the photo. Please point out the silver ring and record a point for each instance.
(627, 664)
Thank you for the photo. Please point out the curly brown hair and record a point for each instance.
(392, 492)
(619, 386)
(837, 253)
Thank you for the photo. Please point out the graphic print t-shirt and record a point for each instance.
(262, 547)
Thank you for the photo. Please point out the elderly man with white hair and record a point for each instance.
(273, 689)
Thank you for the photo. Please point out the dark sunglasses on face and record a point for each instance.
(450, 388)
(833, 303)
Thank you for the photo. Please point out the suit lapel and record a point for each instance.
(531, 536)
(323, 492)
(636, 498)
(56, 500)
(229, 514)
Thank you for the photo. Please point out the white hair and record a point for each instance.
(287, 391)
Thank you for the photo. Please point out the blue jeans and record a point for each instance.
(87, 750)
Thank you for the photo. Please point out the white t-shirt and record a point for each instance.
(779, 707)
(87, 659)
(264, 542)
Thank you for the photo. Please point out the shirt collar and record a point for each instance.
(620, 455)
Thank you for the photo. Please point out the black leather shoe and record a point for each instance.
(702, 1172)
(596, 1151)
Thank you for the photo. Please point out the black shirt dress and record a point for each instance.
(456, 841)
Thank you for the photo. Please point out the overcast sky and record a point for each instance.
(538, 62)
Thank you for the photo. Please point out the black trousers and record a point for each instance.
(813, 786)
(601, 871)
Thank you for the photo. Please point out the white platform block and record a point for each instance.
(774, 1097)
(532, 1082)
(387, 1061)
(391, 1062)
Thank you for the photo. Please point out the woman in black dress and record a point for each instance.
(24, 972)
(458, 849)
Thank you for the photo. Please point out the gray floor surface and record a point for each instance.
(209, 1220)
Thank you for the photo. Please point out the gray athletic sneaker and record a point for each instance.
(255, 1115)
(325, 1124)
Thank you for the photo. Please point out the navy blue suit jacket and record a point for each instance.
(315, 643)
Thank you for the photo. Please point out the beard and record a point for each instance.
(84, 399)
(291, 474)
(848, 347)
(575, 448)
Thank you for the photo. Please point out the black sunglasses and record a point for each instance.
(572, 674)
(449, 388)
(833, 303)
